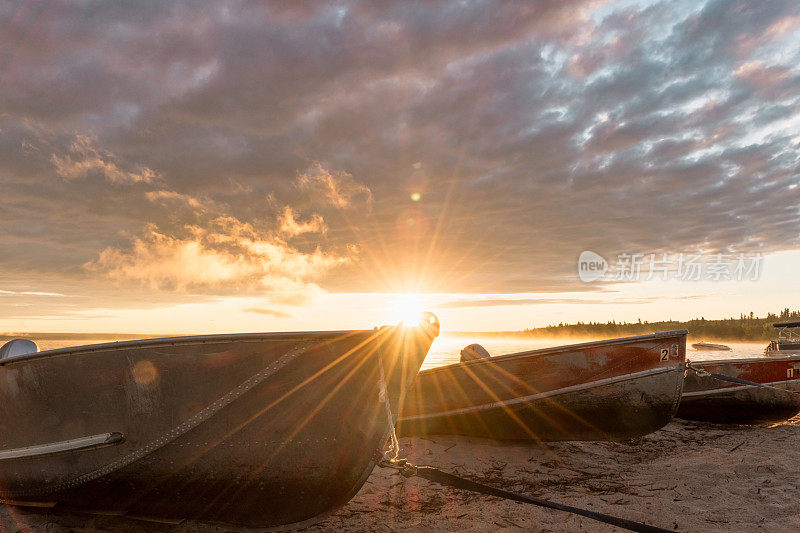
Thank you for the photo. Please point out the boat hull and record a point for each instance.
(252, 430)
(608, 390)
(708, 399)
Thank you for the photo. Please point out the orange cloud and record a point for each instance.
(83, 159)
(292, 227)
(339, 189)
(164, 196)
(227, 253)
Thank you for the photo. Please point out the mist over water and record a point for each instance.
(447, 347)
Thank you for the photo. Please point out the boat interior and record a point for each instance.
(788, 338)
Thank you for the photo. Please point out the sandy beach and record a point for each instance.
(688, 477)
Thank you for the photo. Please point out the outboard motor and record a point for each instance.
(17, 347)
(474, 352)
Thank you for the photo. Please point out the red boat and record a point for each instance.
(607, 390)
(711, 399)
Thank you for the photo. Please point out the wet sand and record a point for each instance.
(687, 477)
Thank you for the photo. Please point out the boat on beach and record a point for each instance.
(257, 429)
(788, 341)
(710, 346)
(606, 390)
(711, 399)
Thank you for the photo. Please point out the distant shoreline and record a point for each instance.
(745, 328)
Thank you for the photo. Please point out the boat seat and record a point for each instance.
(17, 347)
(474, 352)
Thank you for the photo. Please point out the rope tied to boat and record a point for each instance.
(730, 379)
(698, 371)
(393, 451)
(390, 458)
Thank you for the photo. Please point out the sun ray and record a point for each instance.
(407, 309)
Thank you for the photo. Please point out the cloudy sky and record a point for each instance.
(175, 167)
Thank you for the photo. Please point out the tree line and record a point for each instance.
(747, 327)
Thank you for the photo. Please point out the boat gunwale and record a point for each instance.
(762, 359)
(558, 349)
(219, 338)
(579, 387)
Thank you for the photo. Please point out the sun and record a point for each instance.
(408, 309)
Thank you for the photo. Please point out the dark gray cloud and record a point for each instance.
(525, 131)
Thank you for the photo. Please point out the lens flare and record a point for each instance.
(408, 309)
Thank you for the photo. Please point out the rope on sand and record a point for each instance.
(443, 478)
(389, 459)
